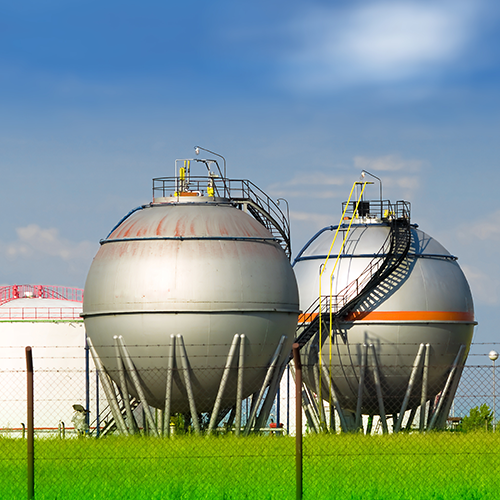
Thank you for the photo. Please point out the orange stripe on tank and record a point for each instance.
(398, 316)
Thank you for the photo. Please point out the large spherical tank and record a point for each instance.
(426, 300)
(200, 268)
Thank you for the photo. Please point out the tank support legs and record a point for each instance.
(255, 405)
(411, 383)
(239, 389)
(137, 383)
(343, 422)
(378, 387)
(132, 427)
(361, 387)
(425, 382)
(168, 388)
(189, 388)
(223, 382)
(444, 392)
(108, 389)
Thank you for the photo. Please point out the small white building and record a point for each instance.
(47, 318)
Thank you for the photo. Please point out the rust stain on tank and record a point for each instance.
(180, 228)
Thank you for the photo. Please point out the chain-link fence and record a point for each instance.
(365, 447)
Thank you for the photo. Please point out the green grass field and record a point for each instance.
(434, 466)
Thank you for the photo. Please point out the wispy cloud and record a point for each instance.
(380, 42)
(313, 183)
(486, 229)
(396, 172)
(43, 254)
(391, 163)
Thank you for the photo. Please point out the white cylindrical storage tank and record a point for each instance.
(425, 301)
(47, 318)
(194, 265)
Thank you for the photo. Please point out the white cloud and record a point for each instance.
(380, 42)
(36, 241)
(313, 183)
(486, 229)
(43, 255)
(316, 220)
(390, 163)
(399, 176)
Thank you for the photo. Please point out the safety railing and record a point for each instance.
(238, 191)
(12, 292)
(40, 313)
(380, 209)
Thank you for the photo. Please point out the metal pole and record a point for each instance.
(361, 388)
(493, 355)
(137, 383)
(494, 397)
(446, 387)
(31, 425)
(411, 383)
(87, 386)
(189, 388)
(98, 416)
(343, 422)
(269, 373)
(239, 388)
(168, 389)
(378, 387)
(124, 388)
(298, 422)
(223, 382)
(108, 389)
(425, 378)
(288, 399)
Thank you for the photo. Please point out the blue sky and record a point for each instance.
(96, 98)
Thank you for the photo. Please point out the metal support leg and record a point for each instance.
(319, 400)
(137, 384)
(271, 394)
(132, 427)
(305, 404)
(343, 422)
(410, 418)
(168, 388)
(269, 374)
(361, 387)
(446, 387)
(239, 389)
(425, 381)
(108, 389)
(189, 387)
(411, 383)
(223, 382)
(378, 387)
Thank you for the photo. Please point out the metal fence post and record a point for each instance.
(31, 433)
(298, 422)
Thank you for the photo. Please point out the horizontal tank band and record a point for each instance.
(372, 255)
(399, 316)
(200, 311)
(256, 239)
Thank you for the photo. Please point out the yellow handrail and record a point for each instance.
(322, 269)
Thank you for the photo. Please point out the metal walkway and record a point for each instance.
(329, 309)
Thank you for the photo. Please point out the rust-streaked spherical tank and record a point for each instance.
(401, 308)
(198, 265)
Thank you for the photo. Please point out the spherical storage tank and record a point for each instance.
(195, 263)
(401, 318)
